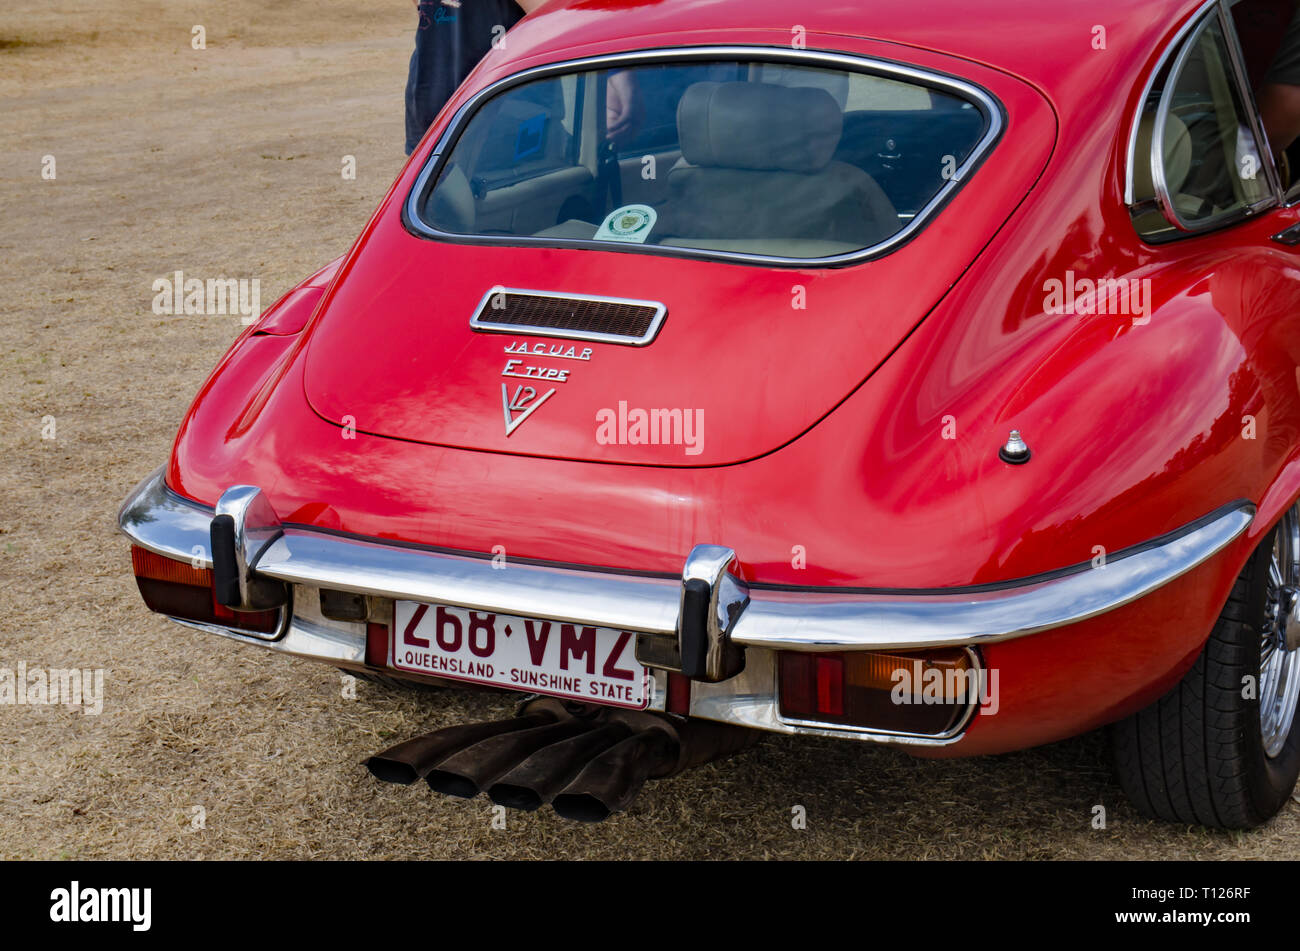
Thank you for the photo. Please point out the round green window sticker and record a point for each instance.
(629, 223)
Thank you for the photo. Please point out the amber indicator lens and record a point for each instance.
(924, 692)
(178, 589)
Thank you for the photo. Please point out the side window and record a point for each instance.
(1198, 163)
(1268, 32)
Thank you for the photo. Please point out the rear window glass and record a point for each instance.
(766, 159)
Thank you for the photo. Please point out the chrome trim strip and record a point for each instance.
(830, 622)
(530, 330)
(157, 519)
(1164, 200)
(275, 639)
(300, 638)
(990, 107)
(802, 620)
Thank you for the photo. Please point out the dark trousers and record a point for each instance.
(421, 80)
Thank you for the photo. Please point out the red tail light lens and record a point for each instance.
(829, 672)
(376, 644)
(927, 692)
(679, 694)
(178, 589)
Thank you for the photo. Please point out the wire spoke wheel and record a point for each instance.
(1279, 668)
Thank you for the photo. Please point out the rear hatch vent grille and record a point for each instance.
(574, 316)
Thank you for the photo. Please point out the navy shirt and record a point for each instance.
(452, 37)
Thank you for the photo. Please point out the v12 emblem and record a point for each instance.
(519, 407)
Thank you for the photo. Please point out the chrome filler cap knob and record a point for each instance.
(1015, 451)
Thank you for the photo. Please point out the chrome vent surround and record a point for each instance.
(573, 316)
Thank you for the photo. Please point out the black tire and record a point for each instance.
(1197, 755)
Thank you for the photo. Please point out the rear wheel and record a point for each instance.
(1222, 748)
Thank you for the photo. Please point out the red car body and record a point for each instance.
(862, 431)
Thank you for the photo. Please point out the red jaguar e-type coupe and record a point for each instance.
(918, 374)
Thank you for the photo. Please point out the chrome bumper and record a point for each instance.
(697, 624)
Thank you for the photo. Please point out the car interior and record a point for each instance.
(763, 158)
(1211, 158)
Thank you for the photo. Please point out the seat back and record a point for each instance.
(757, 162)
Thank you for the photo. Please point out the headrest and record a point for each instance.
(758, 126)
(1177, 157)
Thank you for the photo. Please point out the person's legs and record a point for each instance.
(420, 76)
(451, 39)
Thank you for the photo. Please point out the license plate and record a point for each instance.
(596, 664)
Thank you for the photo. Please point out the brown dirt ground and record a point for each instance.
(227, 161)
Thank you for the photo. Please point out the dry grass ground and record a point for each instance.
(227, 161)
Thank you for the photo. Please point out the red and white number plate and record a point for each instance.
(596, 664)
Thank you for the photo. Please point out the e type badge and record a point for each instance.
(520, 406)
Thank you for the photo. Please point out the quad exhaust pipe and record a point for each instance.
(412, 760)
(586, 762)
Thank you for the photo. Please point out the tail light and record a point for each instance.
(376, 644)
(928, 692)
(679, 694)
(179, 590)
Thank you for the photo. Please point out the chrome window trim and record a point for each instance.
(1161, 186)
(1136, 119)
(816, 619)
(988, 105)
(531, 330)
(1182, 46)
